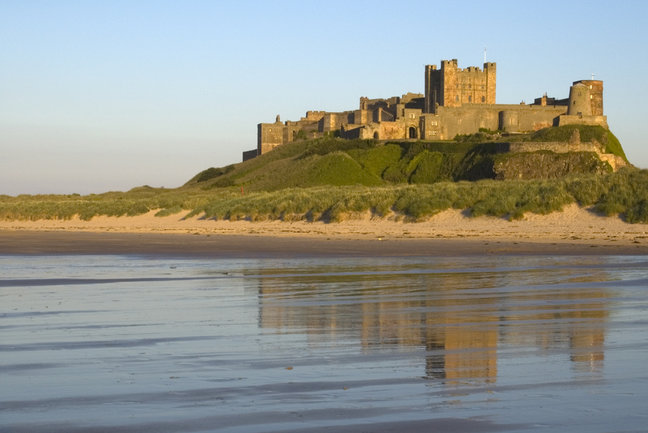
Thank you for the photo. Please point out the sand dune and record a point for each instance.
(573, 225)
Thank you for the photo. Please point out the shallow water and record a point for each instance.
(137, 344)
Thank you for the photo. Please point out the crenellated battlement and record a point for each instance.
(452, 86)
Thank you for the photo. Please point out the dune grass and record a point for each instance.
(134, 202)
(622, 193)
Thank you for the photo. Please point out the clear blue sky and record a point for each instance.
(108, 95)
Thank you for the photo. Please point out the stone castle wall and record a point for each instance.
(449, 122)
(456, 102)
(583, 120)
(615, 161)
(269, 136)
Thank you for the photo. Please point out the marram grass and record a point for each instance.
(622, 193)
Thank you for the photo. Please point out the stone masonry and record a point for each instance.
(456, 101)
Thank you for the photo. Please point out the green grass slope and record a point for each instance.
(334, 161)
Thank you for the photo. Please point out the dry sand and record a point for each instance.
(575, 230)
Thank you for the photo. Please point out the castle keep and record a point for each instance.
(456, 101)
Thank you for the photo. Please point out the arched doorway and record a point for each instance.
(412, 132)
(376, 135)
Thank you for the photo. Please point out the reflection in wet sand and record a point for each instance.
(117, 344)
(457, 318)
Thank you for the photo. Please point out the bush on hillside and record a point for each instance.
(212, 173)
(326, 145)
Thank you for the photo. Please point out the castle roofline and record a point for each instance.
(454, 65)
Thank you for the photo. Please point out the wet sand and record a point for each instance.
(575, 230)
(225, 245)
(122, 344)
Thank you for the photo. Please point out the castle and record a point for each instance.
(456, 101)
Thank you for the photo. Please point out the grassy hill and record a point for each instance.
(332, 179)
(334, 161)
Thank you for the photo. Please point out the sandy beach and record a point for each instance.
(575, 230)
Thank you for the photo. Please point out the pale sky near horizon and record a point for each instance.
(109, 95)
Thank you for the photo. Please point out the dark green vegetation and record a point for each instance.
(332, 179)
(334, 161)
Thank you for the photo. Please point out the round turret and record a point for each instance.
(579, 100)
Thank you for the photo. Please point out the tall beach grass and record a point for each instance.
(623, 193)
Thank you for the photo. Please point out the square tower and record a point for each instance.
(454, 87)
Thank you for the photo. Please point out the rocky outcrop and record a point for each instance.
(545, 164)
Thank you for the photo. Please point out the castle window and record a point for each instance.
(483, 99)
(469, 98)
(457, 98)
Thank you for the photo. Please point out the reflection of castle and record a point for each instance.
(460, 340)
(459, 331)
(582, 314)
(456, 101)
